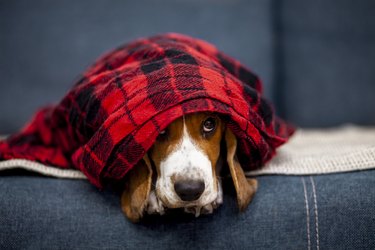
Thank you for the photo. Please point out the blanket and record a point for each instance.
(114, 113)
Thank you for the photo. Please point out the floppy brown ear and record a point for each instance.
(137, 189)
(245, 188)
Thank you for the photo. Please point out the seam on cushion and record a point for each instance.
(316, 212)
(307, 214)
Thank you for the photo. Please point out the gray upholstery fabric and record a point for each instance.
(316, 58)
(333, 213)
(45, 45)
(328, 61)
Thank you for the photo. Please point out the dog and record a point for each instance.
(181, 170)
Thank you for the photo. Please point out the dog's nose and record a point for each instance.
(189, 190)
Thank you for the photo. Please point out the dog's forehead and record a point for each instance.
(176, 127)
(187, 127)
(195, 120)
(192, 122)
(191, 125)
(181, 127)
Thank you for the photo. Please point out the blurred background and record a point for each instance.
(316, 58)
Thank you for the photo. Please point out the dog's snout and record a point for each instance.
(189, 190)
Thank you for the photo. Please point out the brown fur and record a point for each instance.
(137, 189)
(245, 188)
(210, 145)
(139, 180)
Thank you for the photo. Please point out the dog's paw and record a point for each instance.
(193, 210)
(219, 199)
(154, 205)
(209, 208)
(198, 210)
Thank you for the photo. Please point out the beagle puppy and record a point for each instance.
(182, 169)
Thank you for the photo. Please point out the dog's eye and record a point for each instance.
(209, 125)
(163, 135)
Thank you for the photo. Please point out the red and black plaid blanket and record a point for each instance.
(113, 114)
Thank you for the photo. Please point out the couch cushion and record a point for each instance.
(329, 211)
(326, 71)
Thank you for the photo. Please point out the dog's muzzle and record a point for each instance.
(189, 190)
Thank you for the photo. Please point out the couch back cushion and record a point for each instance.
(327, 70)
(44, 45)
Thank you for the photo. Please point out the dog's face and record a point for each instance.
(180, 170)
(185, 156)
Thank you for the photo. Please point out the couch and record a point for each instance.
(316, 60)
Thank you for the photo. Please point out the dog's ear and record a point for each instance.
(137, 189)
(245, 188)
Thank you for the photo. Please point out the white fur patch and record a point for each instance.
(189, 161)
(154, 205)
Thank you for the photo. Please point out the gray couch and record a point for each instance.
(317, 62)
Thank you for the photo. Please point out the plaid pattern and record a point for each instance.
(113, 114)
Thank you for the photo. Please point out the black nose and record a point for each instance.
(189, 190)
